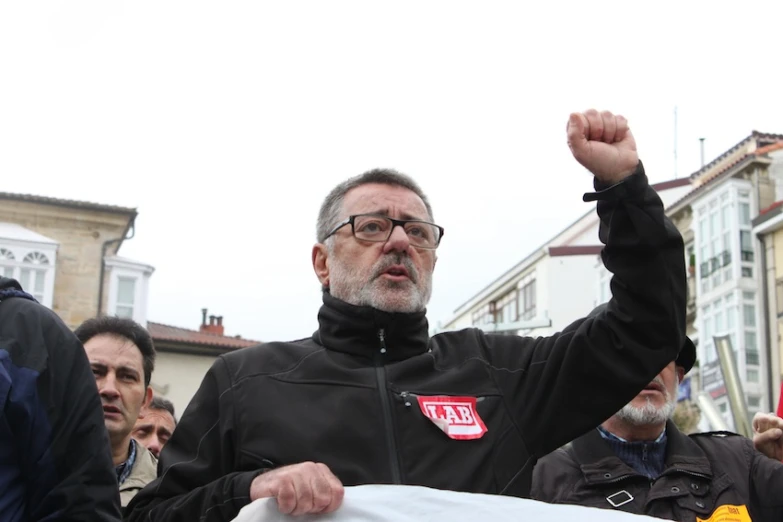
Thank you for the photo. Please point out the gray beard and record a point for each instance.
(369, 289)
(649, 413)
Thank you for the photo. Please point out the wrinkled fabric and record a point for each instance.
(420, 504)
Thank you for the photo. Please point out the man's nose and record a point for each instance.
(108, 387)
(154, 445)
(398, 241)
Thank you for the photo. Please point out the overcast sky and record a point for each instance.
(226, 123)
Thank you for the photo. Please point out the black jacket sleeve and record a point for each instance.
(766, 484)
(63, 444)
(197, 467)
(560, 387)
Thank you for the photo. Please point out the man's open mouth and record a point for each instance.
(397, 271)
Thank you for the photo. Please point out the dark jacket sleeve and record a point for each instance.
(197, 468)
(66, 454)
(766, 485)
(560, 387)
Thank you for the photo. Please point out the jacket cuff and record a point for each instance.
(242, 482)
(632, 186)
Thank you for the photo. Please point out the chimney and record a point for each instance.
(219, 326)
(215, 325)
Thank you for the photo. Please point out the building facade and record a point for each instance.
(554, 285)
(65, 253)
(725, 264)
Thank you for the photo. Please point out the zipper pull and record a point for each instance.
(382, 338)
(404, 395)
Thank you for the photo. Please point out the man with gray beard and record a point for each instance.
(639, 462)
(372, 398)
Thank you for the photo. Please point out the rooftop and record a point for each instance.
(184, 336)
(58, 202)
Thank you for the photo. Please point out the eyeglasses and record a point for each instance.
(378, 229)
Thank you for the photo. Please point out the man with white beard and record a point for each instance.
(639, 462)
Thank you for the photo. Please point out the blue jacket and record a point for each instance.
(55, 458)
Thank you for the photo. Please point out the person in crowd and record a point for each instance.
(155, 425)
(372, 398)
(122, 358)
(55, 462)
(638, 461)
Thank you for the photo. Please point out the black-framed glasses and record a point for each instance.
(378, 229)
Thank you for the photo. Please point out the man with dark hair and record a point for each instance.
(122, 358)
(155, 425)
(639, 462)
(55, 462)
(371, 398)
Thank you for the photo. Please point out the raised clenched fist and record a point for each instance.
(603, 144)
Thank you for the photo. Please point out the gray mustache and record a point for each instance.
(398, 259)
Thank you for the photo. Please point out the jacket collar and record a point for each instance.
(364, 331)
(600, 465)
(144, 470)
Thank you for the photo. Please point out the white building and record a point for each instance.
(554, 285)
(729, 297)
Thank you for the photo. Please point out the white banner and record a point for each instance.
(415, 503)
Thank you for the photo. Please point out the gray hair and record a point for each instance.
(332, 205)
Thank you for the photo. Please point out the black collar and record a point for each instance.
(358, 330)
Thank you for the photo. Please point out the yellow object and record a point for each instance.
(727, 513)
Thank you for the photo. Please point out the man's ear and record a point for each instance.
(147, 399)
(680, 373)
(321, 263)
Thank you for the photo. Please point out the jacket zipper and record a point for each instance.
(391, 442)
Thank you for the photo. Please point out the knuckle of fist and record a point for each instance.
(321, 500)
(286, 493)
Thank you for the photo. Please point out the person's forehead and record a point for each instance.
(159, 418)
(384, 199)
(113, 351)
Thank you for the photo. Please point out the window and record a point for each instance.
(36, 258)
(754, 402)
(32, 269)
(750, 341)
(527, 300)
(746, 246)
(744, 213)
(753, 375)
(126, 293)
(506, 308)
(6, 262)
(714, 244)
(723, 407)
(749, 315)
